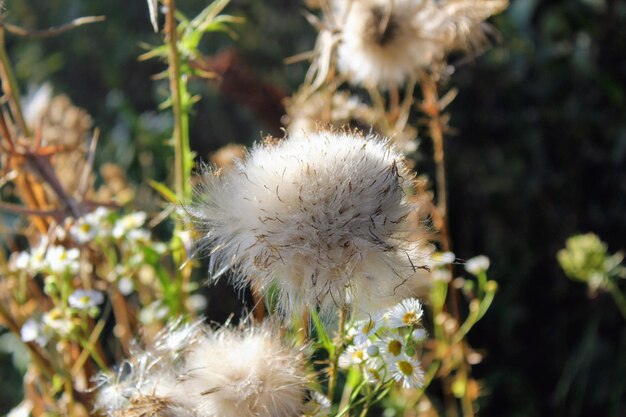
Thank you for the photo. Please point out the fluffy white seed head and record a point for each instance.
(190, 370)
(324, 217)
(380, 45)
(247, 374)
(386, 42)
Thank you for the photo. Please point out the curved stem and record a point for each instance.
(619, 299)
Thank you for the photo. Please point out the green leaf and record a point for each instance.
(321, 333)
(164, 191)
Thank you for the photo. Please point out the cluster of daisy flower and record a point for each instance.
(191, 370)
(63, 321)
(129, 251)
(385, 346)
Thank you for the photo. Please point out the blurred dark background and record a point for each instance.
(539, 154)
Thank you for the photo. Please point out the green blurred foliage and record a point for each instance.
(539, 155)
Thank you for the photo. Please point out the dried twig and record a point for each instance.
(53, 31)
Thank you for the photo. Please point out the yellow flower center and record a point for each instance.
(358, 356)
(409, 318)
(405, 367)
(394, 347)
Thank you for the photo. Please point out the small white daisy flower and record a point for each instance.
(477, 265)
(85, 299)
(58, 323)
(33, 331)
(391, 346)
(127, 223)
(60, 260)
(353, 355)
(138, 236)
(408, 371)
(362, 330)
(317, 406)
(443, 258)
(374, 370)
(33, 261)
(21, 261)
(407, 313)
(83, 231)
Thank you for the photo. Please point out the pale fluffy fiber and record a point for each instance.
(386, 42)
(324, 217)
(243, 373)
(211, 373)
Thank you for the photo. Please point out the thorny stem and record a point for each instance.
(431, 107)
(180, 133)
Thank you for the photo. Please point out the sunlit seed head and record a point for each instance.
(323, 218)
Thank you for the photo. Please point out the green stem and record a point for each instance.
(476, 313)
(619, 299)
(181, 118)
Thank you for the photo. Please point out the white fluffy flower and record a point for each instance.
(477, 265)
(190, 370)
(386, 42)
(324, 216)
(242, 373)
(407, 313)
